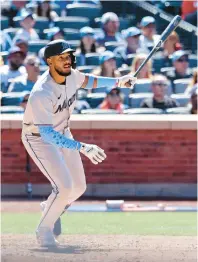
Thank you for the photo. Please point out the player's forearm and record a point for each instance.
(49, 135)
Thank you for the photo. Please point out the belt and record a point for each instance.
(36, 134)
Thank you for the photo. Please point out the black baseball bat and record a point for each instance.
(170, 28)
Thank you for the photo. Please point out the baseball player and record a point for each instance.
(46, 132)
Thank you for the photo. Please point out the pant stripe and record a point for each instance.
(56, 192)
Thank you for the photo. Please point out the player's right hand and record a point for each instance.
(93, 152)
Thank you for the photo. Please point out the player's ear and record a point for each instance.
(49, 61)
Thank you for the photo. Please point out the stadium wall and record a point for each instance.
(148, 156)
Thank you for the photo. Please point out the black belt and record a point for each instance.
(36, 134)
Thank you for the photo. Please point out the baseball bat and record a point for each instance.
(170, 28)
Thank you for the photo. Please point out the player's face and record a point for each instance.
(62, 64)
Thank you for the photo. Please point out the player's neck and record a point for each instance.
(57, 78)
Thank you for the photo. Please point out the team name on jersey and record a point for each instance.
(65, 104)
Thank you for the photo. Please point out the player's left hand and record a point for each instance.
(126, 81)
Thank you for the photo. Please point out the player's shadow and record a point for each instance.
(67, 250)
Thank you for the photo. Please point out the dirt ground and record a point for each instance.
(100, 248)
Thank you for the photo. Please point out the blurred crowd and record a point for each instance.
(104, 47)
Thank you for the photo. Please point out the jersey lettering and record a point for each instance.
(64, 105)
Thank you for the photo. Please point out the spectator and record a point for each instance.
(110, 25)
(180, 64)
(146, 71)
(27, 32)
(189, 11)
(55, 33)
(194, 101)
(26, 82)
(131, 36)
(148, 38)
(1, 61)
(5, 41)
(192, 85)
(14, 68)
(87, 44)
(44, 10)
(160, 99)
(113, 100)
(107, 66)
(22, 44)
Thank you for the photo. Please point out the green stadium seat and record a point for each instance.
(74, 43)
(11, 31)
(110, 46)
(192, 61)
(179, 110)
(71, 34)
(12, 98)
(99, 111)
(71, 22)
(102, 89)
(94, 99)
(135, 100)
(85, 10)
(11, 110)
(92, 59)
(4, 22)
(35, 46)
(182, 99)
(180, 85)
(86, 69)
(130, 59)
(142, 86)
(143, 111)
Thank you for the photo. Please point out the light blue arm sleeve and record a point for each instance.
(49, 135)
(101, 81)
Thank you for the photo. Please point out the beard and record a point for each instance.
(14, 66)
(61, 73)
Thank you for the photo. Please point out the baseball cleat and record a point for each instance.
(46, 238)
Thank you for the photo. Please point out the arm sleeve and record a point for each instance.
(49, 135)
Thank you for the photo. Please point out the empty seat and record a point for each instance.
(12, 98)
(143, 111)
(135, 100)
(35, 46)
(71, 22)
(85, 10)
(11, 110)
(158, 63)
(92, 59)
(71, 34)
(4, 22)
(102, 89)
(94, 99)
(192, 61)
(111, 45)
(178, 110)
(180, 85)
(73, 43)
(182, 99)
(125, 91)
(142, 86)
(99, 111)
(118, 61)
(86, 69)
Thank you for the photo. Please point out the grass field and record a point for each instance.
(137, 223)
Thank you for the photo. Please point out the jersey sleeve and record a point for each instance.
(80, 78)
(42, 108)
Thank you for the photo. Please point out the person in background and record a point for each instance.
(192, 85)
(149, 37)
(55, 33)
(27, 32)
(44, 10)
(113, 100)
(107, 66)
(87, 44)
(26, 82)
(110, 25)
(189, 11)
(1, 61)
(193, 100)
(14, 68)
(146, 71)
(159, 100)
(180, 62)
(22, 44)
(5, 41)
(132, 36)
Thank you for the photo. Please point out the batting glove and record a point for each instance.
(93, 152)
(126, 81)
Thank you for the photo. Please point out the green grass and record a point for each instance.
(142, 223)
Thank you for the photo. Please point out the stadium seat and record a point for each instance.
(143, 111)
(4, 22)
(71, 34)
(126, 92)
(71, 22)
(4, 55)
(99, 111)
(102, 89)
(11, 31)
(35, 46)
(124, 70)
(110, 46)
(166, 69)
(92, 59)
(178, 110)
(85, 10)
(192, 61)
(118, 61)
(142, 86)
(94, 99)
(182, 99)
(11, 110)
(73, 43)
(135, 100)
(158, 63)
(86, 69)
(180, 85)
(130, 59)
(12, 98)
